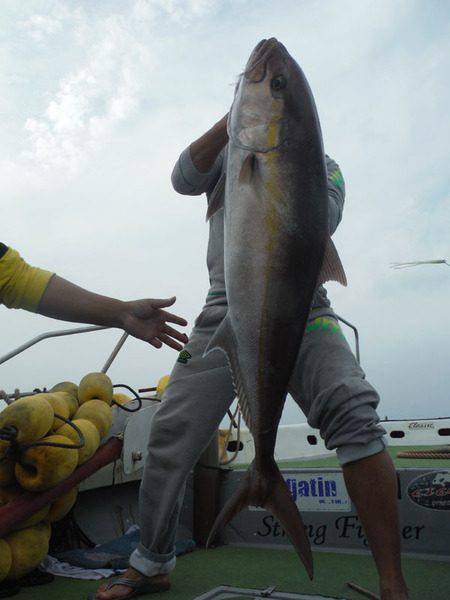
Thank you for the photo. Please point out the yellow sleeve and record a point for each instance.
(21, 285)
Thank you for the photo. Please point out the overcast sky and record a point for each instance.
(99, 98)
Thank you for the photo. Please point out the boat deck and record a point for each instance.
(202, 571)
(249, 567)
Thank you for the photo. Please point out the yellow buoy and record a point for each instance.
(61, 507)
(91, 438)
(31, 416)
(9, 494)
(95, 386)
(60, 407)
(66, 386)
(5, 559)
(46, 528)
(4, 445)
(28, 548)
(122, 399)
(42, 467)
(7, 466)
(70, 400)
(97, 412)
(38, 517)
(223, 439)
(162, 384)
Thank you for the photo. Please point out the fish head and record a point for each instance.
(272, 98)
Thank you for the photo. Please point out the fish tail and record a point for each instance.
(238, 501)
(282, 506)
(268, 489)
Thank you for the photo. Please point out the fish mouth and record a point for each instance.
(256, 67)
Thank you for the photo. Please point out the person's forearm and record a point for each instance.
(206, 149)
(66, 301)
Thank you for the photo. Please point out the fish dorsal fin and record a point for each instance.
(223, 339)
(217, 197)
(248, 168)
(332, 269)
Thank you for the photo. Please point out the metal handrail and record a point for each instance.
(121, 342)
(355, 331)
(63, 332)
(115, 352)
(47, 335)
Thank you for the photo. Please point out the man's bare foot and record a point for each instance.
(160, 582)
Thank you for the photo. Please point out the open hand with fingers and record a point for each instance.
(146, 320)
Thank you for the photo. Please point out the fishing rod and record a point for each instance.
(415, 263)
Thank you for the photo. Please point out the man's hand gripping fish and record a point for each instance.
(277, 251)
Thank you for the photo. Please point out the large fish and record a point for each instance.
(277, 251)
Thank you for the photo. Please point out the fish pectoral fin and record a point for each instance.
(248, 168)
(216, 199)
(332, 269)
(224, 339)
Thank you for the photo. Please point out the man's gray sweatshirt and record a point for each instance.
(188, 180)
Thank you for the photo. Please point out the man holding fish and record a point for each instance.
(274, 199)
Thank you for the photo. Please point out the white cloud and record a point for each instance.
(109, 84)
(181, 9)
(87, 102)
(108, 96)
(40, 27)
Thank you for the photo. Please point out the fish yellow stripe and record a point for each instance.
(273, 222)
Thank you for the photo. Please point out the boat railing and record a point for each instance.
(59, 333)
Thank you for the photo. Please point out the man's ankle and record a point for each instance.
(394, 589)
(135, 574)
(394, 595)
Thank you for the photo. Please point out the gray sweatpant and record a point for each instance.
(327, 384)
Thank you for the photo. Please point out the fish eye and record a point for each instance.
(278, 83)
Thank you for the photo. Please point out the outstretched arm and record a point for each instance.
(199, 166)
(37, 290)
(144, 319)
(206, 149)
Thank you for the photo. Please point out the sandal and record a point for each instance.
(138, 587)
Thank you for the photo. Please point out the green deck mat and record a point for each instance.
(331, 461)
(202, 571)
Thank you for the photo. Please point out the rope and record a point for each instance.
(425, 454)
(136, 396)
(8, 433)
(75, 446)
(238, 436)
(16, 449)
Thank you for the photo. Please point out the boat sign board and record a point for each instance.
(316, 492)
(331, 525)
(431, 490)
